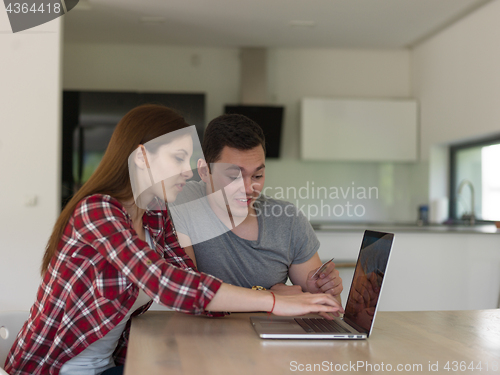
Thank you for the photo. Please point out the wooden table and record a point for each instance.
(428, 342)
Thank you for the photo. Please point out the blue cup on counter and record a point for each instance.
(423, 214)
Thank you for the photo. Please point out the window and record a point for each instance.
(476, 165)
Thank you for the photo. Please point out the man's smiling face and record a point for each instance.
(242, 174)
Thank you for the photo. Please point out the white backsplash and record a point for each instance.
(350, 191)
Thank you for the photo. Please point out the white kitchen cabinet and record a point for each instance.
(429, 271)
(359, 130)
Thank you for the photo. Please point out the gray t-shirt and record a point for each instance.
(285, 238)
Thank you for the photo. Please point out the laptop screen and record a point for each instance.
(367, 280)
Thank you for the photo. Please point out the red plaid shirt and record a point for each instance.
(94, 279)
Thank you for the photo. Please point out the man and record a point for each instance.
(233, 232)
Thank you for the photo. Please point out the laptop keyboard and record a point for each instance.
(320, 325)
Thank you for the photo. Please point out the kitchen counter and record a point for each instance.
(429, 269)
(405, 228)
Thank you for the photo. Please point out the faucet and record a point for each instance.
(471, 217)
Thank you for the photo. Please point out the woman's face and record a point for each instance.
(170, 165)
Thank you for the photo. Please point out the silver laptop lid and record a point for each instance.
(368, 279)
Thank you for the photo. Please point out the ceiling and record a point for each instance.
(378, 24)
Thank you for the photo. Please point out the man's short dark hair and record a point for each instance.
(232, 130)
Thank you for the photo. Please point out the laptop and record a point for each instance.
(361, 306)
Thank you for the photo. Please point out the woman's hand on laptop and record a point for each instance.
(307, 303)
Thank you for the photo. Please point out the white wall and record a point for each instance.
(30, 146)
(456, 78)
(400, 188)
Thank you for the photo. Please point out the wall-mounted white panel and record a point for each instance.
(359, 130)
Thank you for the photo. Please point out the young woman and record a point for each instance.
(109, 257)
